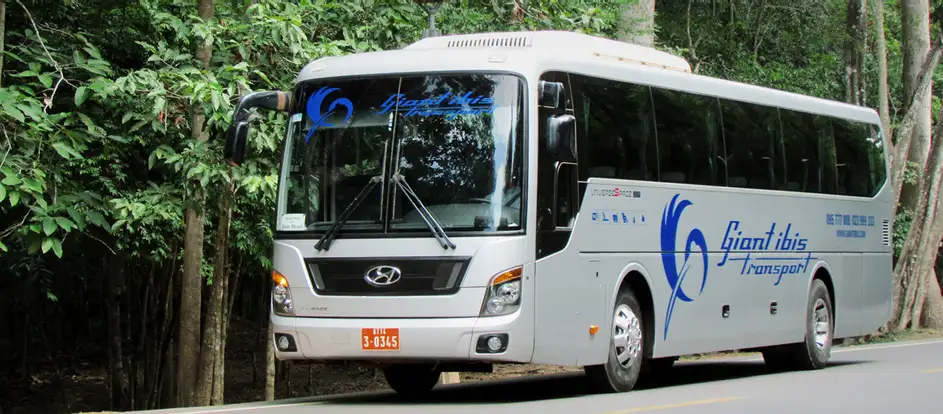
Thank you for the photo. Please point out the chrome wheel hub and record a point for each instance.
(626, 335)
(820, 323)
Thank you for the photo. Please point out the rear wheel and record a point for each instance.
(814, 351)
(411, 380)
(621, 370)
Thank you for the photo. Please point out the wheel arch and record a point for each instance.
(635, 277)
(823, 272)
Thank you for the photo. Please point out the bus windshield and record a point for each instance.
(455, 140)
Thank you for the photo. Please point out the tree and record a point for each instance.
(914, 276)
(637, 23)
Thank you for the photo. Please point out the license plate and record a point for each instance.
(379, 339)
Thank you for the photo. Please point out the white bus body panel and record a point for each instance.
(612, 248)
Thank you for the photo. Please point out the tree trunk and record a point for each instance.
(913, 105)
(918, 255)
(881, 50)
(269, 365)
(190, 292)
(3, 31)
(119, 381)
(449, 378)
(637, 23)
(915, 42)
(190, 357)
(856, 27)
(933, 307)
(212, 329)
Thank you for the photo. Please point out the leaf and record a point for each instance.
(46, 80)
(47, 244)
(49, 226)
(65, 223)
(11, 180)
(97, 219)
(57, 247)
(33, 185)
(64, 150)
(3, 193)
(81, 94)
(13, 112)
(3, 247)
(33, 111)
(14, 198)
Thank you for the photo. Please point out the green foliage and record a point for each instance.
(105, 153)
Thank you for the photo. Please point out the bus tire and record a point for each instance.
(411, 379)
(626, 348)
(813, 353)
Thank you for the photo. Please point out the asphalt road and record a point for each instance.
(901, 378)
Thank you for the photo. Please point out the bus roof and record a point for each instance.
(529, 52)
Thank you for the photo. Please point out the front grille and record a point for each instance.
(419, 276)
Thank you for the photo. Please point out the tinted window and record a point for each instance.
(855, 162)
(875, 145)
(689, 141)
(751, 133)
(800, 146)
(616, 130)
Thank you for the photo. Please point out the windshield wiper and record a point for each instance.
(325, 242)
(426, 215)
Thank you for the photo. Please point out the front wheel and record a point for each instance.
(621, 370)
(411, 380)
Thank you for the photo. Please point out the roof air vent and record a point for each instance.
(502, 41)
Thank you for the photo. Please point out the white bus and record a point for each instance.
(556, 198)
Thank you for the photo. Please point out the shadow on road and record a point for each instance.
(559, 386)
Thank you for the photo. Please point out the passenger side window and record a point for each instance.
(853, 154)
(750, 136)
(801, 172)
(690, 146)
(828, 171)
(875, 143)
(616, 130)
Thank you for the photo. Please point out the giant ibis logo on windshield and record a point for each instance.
(448, 105)
(383, 275)
(316, 101)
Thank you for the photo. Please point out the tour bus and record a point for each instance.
(557, 198)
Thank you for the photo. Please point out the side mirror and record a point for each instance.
(235, 149)
(552, 95)
(561, 137)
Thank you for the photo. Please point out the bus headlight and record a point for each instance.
(504, 293)
(281, 295)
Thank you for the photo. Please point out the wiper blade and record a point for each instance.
(325, 242)
(424, 212)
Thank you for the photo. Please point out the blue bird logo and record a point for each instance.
(313, 109)
(669, 233)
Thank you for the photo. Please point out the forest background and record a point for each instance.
(135, 263)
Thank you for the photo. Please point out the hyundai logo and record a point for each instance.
(383, 275)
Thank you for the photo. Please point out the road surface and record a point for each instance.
(902, 377)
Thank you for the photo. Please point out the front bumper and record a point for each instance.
(425, 339)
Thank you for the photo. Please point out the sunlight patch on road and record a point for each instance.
(676, 405)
